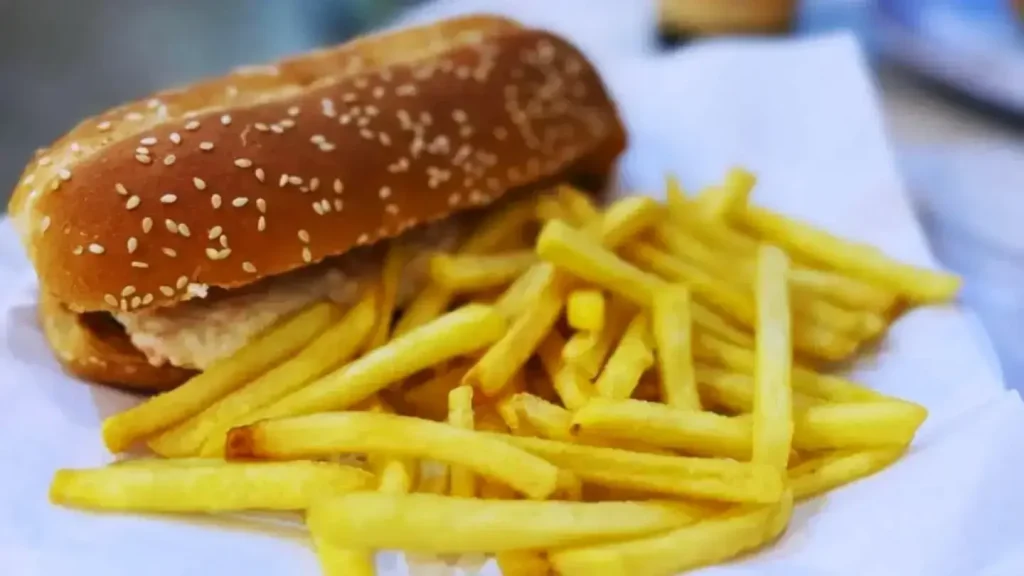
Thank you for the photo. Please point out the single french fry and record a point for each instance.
(585, 310)
(568, 380)
(439, 524)
(708, 541)
(508, 355)
(522, 563)
(623, 221)
(472, 273)
(859, 425)
(430, 303)
(550, 420)
(773, 394)
(862, 261)
(834, 469)
(673, 338)
(523, 290)
(460, 415)
(734, 391)
(455, 334)
(698, 433)
(391, 273)
(632, 357)
(337, 560)
(160, 412)
(363, 432)
(217, 487)
(722, 480)
(206, 431)
(577, 203)
(585, 258)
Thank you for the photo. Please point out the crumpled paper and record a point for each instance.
(803, 116)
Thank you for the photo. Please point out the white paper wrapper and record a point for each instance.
(803, 117)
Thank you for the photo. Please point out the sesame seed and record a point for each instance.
(326, 205)
(215, 201)
(384, 138)
(349, 97)
(136, 301)
(133, 245)
(169, 159)
(206, 146)
(261, 205)
(406, 90)
(181, 282)
(261, 224)
(128, 291)
(224, 241)
(466, 131)
(307, 256)
(260, 175)
(338, 186)
(304, 236)
(147, 225)
(459, 115)
(199, 183)
(193, 125)
(168, 199)
(314, 183)
(360, 82)
(96, 248)
(500, 133)
(240, 201)
(44, 224)
(148, 141)
(175, 138)
(366, 133)
(293, 111)
(103, 126)
(276, 129)
(243, 162)
(142, 150)
(384, 193)
(215, 232)
(148, 298)
(327, 147)
(344, 119)
(391, 209)
(64, 174)
(212, 253)
(282, 181)
(170, 252)
(363, 239)
(248, 267)
(317, 138)
(138, 264)
(184, 230)
(120, 189)
(78, 251)
(338, 204)
(167, 291)
(124, 305)
(261, 126)
(171, 226)
(318, 208)
(453, 199)
(294, 180)
(133, 116)
(225, 120)
(110, 299)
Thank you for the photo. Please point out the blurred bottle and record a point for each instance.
(682, 19)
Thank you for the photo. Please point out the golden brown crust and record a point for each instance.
(307, 162)
(94, 347)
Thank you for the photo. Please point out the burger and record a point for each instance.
(166, 233)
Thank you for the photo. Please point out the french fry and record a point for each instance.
(570, 487)
(398, 476)
(455, 334)
(522, 563)
(362, 432)
(433, 478)
(439, 524)
(631, 358)
(710, 321)
(430, 399)
(672, 335)
(862, 261)
(430, 303)
(712, 232)
(550, 208)
(703, 543)
(585, 258)
(460, 415)
(508, 355)
(339, 561)
(577, 204)
(721, 480)
(773, 394)
(860, 425)
(474, 273)
(521, 292)
(333, 347)
(216, 487)
(699, 433)
(842, 290)
(718, 203)
(549, 420)
(624, 220)
(834, 469)
(585, 310)
(160, 412)
(391, 274)
(589, 350)
(735, 391)
(569, 381)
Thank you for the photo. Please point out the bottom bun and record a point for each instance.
(94, 347)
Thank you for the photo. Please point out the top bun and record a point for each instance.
(272, 168)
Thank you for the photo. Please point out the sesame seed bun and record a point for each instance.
(273, 168)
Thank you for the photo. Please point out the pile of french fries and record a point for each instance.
(631, 391)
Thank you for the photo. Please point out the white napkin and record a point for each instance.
(803, 116)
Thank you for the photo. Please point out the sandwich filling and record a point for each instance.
(213, 325)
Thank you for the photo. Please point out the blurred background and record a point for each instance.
(950, 74)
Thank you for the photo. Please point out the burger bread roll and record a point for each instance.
(275, 168)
